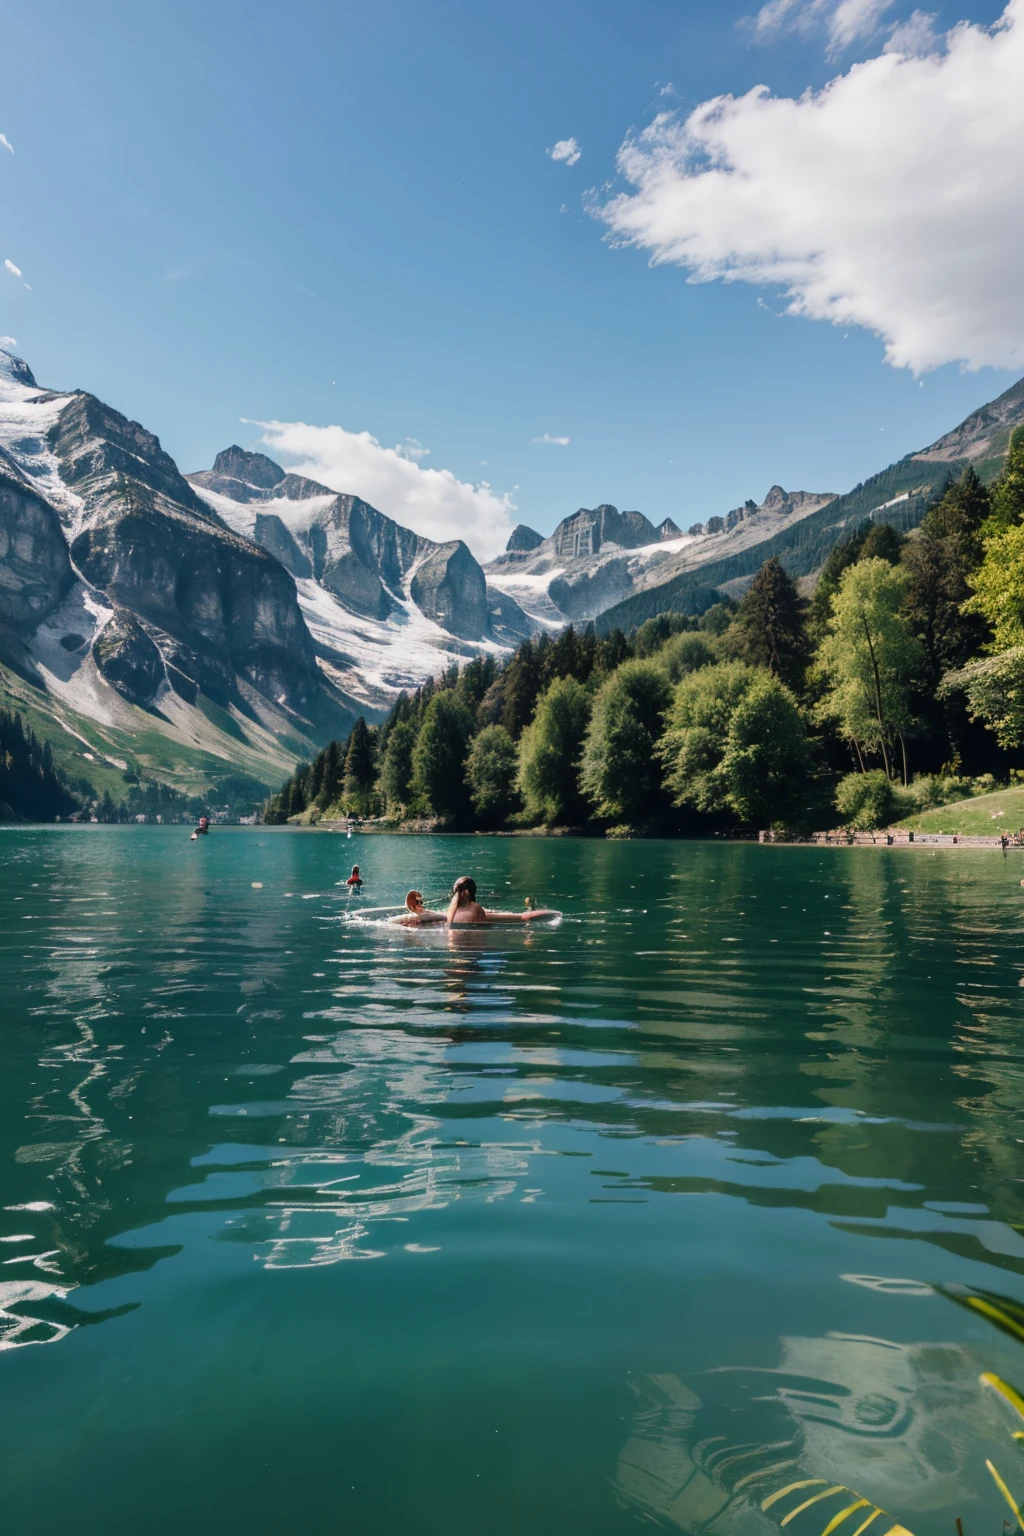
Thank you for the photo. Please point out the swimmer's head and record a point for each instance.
(414, 901)
(465, 889)
(355, 869)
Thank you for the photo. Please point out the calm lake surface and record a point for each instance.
(308, 1223)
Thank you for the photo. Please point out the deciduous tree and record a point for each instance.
(870, 660)
(439, 757)
(621, 773)
(549, 755)
(491, 775)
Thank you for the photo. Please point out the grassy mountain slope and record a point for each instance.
(194, 754)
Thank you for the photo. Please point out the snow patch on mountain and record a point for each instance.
(26, 415)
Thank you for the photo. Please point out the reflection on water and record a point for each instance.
(844, 1412)
(656, 1198)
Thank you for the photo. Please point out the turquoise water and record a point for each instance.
(545, 1230)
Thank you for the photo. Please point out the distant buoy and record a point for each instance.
(257, 885)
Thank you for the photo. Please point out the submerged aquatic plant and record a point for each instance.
(1008, 1317)
(894, 1528)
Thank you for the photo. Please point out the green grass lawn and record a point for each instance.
(1002, 811)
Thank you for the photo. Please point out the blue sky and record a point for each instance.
(345, 215)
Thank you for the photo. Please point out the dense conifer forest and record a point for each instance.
(895, 684)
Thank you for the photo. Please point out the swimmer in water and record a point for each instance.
(417, 915)
(355, 879)
(464, 907)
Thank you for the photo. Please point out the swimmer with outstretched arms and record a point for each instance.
(464, 908)
(416, 914)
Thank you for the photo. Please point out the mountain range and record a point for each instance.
(194, 627)
(219, 625)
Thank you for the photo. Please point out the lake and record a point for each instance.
(637, 1218)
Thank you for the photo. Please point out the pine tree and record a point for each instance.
(331, 773)
(1008, 491)
(357, 786)
(523, 680)
(768, 630)
(882, 542)
(939, 559)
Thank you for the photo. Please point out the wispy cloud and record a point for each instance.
(566, 150)
(842, 200)
(433, 502)
(561, 442)
(11, 267)
(845, 21)
(5, 141)
(916, 37)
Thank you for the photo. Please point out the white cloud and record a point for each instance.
(5, 141)
(413, 449)
(893, 199)
(779, 16)
(432, 502)
(562, 442)
(11, 267)
(854, 19)
(567, 150)
(845, 21)
(915, 37)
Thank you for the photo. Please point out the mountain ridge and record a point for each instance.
(131, 607)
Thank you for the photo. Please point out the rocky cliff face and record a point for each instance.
(589, 530)
(599, 558)
(35, 569)
(522, 540)
(155, 550)
(367, 585)
(120, 588)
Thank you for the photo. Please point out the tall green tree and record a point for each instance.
(523, 683)
(840, 557)
(768, 630)
(394, 784)
(550, 751)
(491, 775)
(357, 787)
(870, 660)
(939, 560)
(621, 773)
(685, 653)
(332, 766)
(882, 542)
(766, 768)
(697, 730)
(1008, 491)
(439, 758)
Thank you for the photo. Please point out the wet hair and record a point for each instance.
(355, 869)
(412, 899)
(465, 886)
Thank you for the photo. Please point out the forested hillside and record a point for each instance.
(898, 685)
(31, 788)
